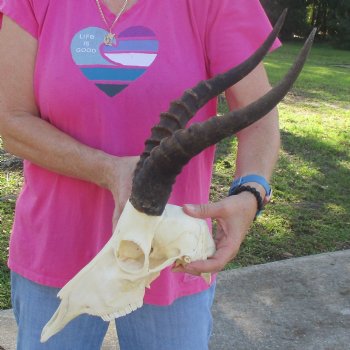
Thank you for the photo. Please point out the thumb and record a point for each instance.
(201, 211)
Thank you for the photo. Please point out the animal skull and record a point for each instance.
(113, 283)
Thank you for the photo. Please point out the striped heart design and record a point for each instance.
(114, 68)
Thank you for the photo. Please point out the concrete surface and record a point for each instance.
(295, 304)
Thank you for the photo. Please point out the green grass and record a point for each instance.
(310, 211)
(10, 183)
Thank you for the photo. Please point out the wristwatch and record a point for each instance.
(253, 178)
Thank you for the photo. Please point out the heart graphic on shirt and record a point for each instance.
(113, 68)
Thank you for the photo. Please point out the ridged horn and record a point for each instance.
(152, 185)
(182, 110)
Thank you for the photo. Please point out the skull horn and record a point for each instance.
(153, 183)
(182, 110)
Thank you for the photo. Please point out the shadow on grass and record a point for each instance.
(324, 157)
(319, 217)
(310, 211)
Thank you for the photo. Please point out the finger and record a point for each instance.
(203, 211)
(214, 263)
(210, 265)
(199, 267)
(116, 216)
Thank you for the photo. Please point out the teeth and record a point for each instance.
(105, 318)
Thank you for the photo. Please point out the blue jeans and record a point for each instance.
(184, 325)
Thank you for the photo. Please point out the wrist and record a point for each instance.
(254, 192)
(106, 175)
(256, 181)
(255, 185)
(241, 209)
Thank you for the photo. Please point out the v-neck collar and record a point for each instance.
(111, 16)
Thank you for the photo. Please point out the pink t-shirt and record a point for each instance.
(109, 97)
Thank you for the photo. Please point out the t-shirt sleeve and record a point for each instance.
(24, 13)
(235, 29)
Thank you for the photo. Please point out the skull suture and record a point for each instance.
(113, 283)
(151, 235)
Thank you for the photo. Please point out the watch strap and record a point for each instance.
(252, 178)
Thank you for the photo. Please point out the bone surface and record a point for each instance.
(113, 283)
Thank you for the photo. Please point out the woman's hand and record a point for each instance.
(234, 216)
(258, 147)
(120, 182)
